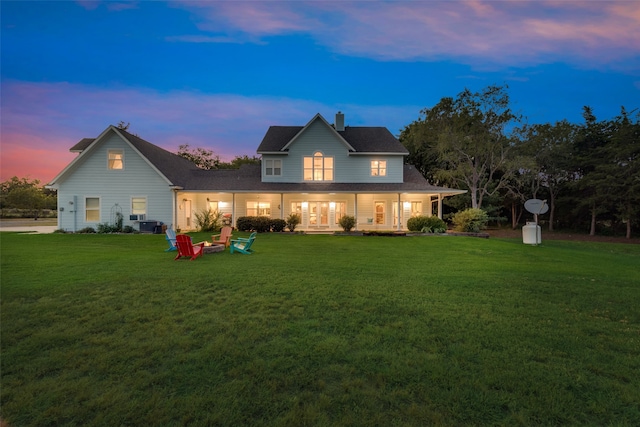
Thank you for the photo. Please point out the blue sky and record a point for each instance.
(217, 74)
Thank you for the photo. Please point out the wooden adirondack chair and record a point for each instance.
(187, 249)
(171, 238)
(243, 245)
(224, 238)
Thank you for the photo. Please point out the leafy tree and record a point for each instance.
(239, 161)
(469, 137)
(550, 148)
(21, 193)
(202, 157)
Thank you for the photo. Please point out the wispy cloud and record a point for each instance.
(588, 33)
(41, 121)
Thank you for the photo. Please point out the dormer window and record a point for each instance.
(378, 168)
(318, 167)
(115, 159)
(273, 167)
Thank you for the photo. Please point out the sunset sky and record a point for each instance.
(217, 74)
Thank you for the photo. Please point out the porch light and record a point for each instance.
(305, 205)
(332, 205)
(407, 205)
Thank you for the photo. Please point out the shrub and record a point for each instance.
(278, 224)
(245, 223)
(292, 221)
(262, 224)
(128, 229)
(426, 224)
(347, 222)
(208, 220)
(105, 228)
(470, 220)
(87, 230)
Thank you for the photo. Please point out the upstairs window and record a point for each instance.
(318, 168)
(378, 168)
(115, 159)
(273, 167)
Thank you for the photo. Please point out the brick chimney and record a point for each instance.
(339, 121)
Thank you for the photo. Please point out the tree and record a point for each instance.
(203, 158)
(550, 148)
(239, 161)
(21, 193)
(621, 168)
(469, 137)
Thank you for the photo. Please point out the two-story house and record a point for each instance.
(319, 171)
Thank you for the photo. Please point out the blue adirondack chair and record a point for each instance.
(243, 245)
(171, 238)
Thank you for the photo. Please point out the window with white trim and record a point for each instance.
(92, 209)
(138, 205)
(379, 208)
(115, 159)
(378, 168)
(273, 167)
(258, 208)
(341, 210)
(318, 167)
(416, 208)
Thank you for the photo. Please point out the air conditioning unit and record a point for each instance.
(142, 217)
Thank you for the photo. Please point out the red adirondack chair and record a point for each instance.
(187, 249)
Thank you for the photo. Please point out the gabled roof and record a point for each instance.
(359, 140)
(174, 169)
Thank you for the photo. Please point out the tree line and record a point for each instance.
(589, 172)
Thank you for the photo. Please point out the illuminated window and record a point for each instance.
(273, 167)
(318, 168)
(92, 209)
(416, 208)
(379, 211)
(340, 211)
(116, 159)
(378, 168)
(258, 209)
(296, 208)
(138, 205)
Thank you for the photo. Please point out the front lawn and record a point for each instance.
(319, 330)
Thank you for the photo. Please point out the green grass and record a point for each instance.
(319, 330)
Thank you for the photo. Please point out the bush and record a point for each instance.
(245, 223)
(87, 230)
(128, 229)
(278, 224)
(470, 220)
(292, 221)
(426, 224)
(347, 222)
(208, 220)
(262, 224)
(106, 228)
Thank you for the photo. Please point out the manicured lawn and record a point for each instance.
(319, 330)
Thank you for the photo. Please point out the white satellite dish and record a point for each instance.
(536, 206)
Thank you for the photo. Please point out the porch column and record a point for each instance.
(355, 209)
(440, 205)
(400, 212)
(233, 208)
(281, 205)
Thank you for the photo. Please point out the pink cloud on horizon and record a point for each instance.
(477, 32)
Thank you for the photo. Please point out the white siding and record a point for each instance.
(90, 177)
